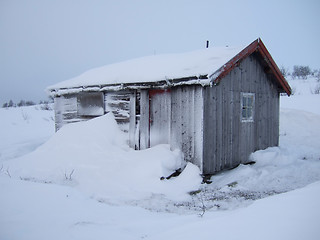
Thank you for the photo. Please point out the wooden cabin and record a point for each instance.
(217, 105)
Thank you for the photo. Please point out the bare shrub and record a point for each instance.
(301, 71)
(285, 71)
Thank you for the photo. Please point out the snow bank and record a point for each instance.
(303, 86)
(94, 157)
(47, 211)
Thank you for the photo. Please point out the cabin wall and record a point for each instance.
(186, 131)
(228, 141)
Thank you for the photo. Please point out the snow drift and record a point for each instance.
(94, 157)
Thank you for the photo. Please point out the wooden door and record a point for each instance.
(159, 116)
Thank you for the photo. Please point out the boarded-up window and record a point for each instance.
(247, 107)
(90, 104)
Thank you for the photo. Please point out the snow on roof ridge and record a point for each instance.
(154, 68)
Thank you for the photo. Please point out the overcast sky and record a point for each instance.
(43, 42)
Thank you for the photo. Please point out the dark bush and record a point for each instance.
(301, 71)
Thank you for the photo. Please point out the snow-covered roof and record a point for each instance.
(197, 67)
(154, 68)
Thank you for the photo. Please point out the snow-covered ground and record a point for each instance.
(85, 183)
(23, 129)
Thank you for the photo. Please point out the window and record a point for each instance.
(247, 107)
(90, 104)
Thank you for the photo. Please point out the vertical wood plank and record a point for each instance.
(219, 129)
(144, 119)
(132, 122)
(198, 127)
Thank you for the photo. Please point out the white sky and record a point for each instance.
(43, 42)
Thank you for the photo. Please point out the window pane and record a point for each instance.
(90, 104)
(244, 101)
(244, 113)
(247, 106)
(249, 113)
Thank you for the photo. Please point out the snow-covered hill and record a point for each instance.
(85, 183)
(23, 129)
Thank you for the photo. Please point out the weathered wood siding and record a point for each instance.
(186, 122)
(173, 117)
(160, 116)
(227, 140)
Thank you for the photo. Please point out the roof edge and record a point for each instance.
(255, 46)
(192, 80)
(273, 66)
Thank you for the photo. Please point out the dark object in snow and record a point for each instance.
(233, 184)
(192, 193)
(249, 163)
(175, 174)
(206, 179)
(217, 105)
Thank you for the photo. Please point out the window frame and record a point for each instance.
(247, 107)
